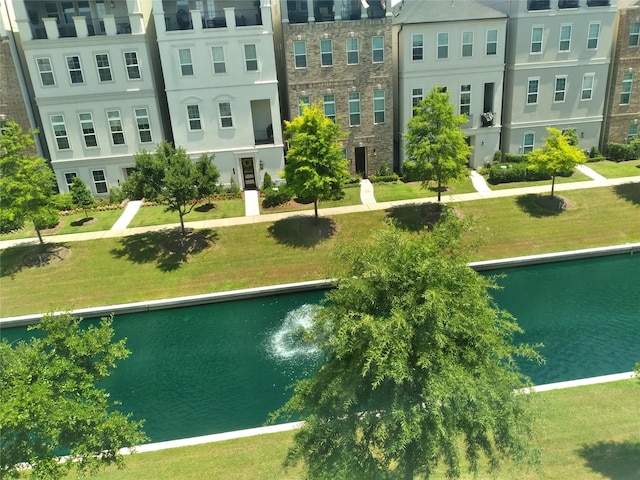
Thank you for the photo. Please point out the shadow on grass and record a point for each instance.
(628, 191)
(205, 207)
(15, 259)
(540, 206)
(416, 217)
(168, 249)
(302, 231)
(614, 460)
(82, 221)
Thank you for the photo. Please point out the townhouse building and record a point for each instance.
(459, 47)
(339, 53)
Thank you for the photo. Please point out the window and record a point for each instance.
(100, 181)
(568, 3)
(378, 106)
(226, 120)
(353, 51)
(532, 91)
(377, 49)
(354, 109)
(467, 44)
(60, 132)
(251, 58)
(75, 69)
(592, 38)
(416, 98)
(68, 179)
(144, 126)
(46, 71)
(329, 106)
(492, 42)
(633, 131)
(443, 45)
(627, 84)
(465, 99)
(417, 47)
(598, 3)
(587, 86)
(218, 60)
(560, 89)
(303, 101)
(326, 53)
(538, 4)
(527, 142)
(115, 127)
(104, 67)
(565, 38)
(132, 65)
(193, 116)
(300, 54)
(536, 39)
(88, 130)
(186, 64)
(634, 34)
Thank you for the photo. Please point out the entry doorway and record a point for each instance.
(248, 173)
(361, 161)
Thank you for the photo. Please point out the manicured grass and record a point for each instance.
(389, 192)
(156, 215)
(575, 177)
(136, 268)
(351, 197)
(587, 433)
(610, 169)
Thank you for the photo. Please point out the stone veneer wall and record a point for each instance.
(11, 98)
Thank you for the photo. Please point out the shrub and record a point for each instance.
(497, 156)
(595, 159)
(267, 182)
(619, 152)
(410, 172)
(352, 180)
(516, 157)
(383, 171)
(233, 187)
(116, 195)
(517, 172)
(47, 219)
(62, 201)
(594, 152)
(275, 196)
(392, 177)
(10, 220)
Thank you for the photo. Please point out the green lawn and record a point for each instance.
(575, 177)
(389, 192)
(351, 197)
(156, 215)
(616, 170)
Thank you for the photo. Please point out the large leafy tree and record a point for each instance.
(208, 176)
(435, 144)
(316, 168)
(26, 182)
(81, 195)
(557, 156)
(51, 405)
(418, 366)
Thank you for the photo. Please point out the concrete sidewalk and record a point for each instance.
(129, 212)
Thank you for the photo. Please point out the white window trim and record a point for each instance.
(384, 106)
(121, 131)
(332, 102)
(421, 47)
(214, 62)
(357, 50)
(487, 42)
(593, 86)
(635, 35)
(95, 182)
(463, 92)
(220, 116)
(186, 64)
(373, 50)
(56, 136)
(555, 88)
(626, 82)
(40, 72)
(296, 55)
(66, 59)
(597, 38)
(359, 112)
(560, 40)
(84, 135)
(438, 45)
(190, 119)
(99, 68)
(534, 28)
(66, 182)
(141, 130)
(302, 102)
(329, 52)
(530, 79)
(463, 44)
(247, 60)
(533, 143)
(127, 66)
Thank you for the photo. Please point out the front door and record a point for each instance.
(361, 163)
(248, 174)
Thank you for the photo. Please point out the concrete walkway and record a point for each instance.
(479, 183)
(589, 172)
(251, 203)
(129, 212)
(366, 192)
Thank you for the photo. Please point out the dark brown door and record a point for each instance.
(248, 174)
(361, 162)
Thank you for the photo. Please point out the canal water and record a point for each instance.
(220, 367)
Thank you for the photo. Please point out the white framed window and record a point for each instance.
(565, 38)
(417, 46)
(536, 39)
(193, 117)
(443, 45)
(416, 97)
(115, 127)
(354, 109)
(143, 124)
(329, 106)
(527, 142)
(627, 85)
(99, 181)
(226, 120)
(186, 63)
(251, 57)
(467, 44)
(587, 86)
(353, 51)
(132, 65)
(560, 89)
(303, 101)
(74, 67)
(532, 90)
(219, 65)
(634, 34)
(633, 131)
(46, 71)
(377, 49)
(593, 36)
(300, 54)
(465, 99)
(103, 64)
(88, 129)
(326, 53)
(68, 179)
(60, 132)
(492, 42)
(378, 106)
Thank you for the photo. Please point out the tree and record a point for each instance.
(81, 195)
(207, 176)
(26, 182)
(51, 405)
(436, 147)
(316, 168)
(418, 366)
(557, 156)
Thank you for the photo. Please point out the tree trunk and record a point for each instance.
(315, 209)
(439, 188)
(35, 225)
(409, 463)
(181, 222)
(553, 183)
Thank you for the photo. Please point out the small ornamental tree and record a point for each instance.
(435, 144)
(207, 176)
(316, 168)
(557, 156)
(81, 195)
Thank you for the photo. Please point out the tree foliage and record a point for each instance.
(207, 176)
(51, 405)
(26, 182)
(81, 195)
(418, 366)
(316, 168)
(435, 144)
(557, 156)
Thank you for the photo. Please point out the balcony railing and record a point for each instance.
(598, 3)
(245, 17)
(263, 136)
(214, 20)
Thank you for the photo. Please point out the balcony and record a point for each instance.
(486, 119)
(262, 122)
(182, 19)
(330, 10)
